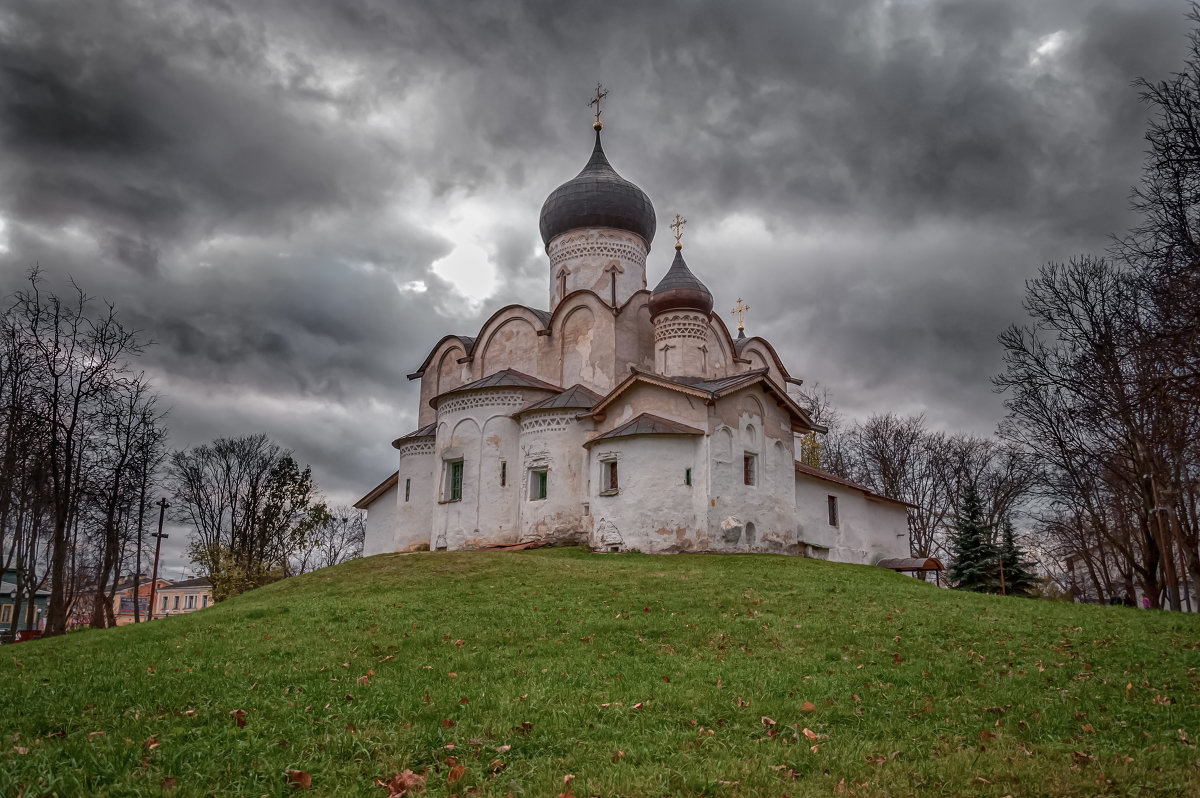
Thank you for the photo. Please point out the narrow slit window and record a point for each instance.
(831, 501)
(503, 473)
(750, 469)
(407, 489)
(687, 477)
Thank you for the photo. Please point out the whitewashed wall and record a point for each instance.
(381, 524)
(414, 518)
(553, 439)
(867, 529)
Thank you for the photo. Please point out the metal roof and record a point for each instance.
(648, 424)
(912, 564)
(597, 197)
(574, 397)
(680, 289)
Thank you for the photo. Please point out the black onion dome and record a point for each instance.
(679, 289)
(597, 197)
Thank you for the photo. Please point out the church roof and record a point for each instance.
(679, 289)
(510, 378)
(597, 197)
(576, 397)
(377, 491)
(647, 424)
(835, 479)
(713, 390)
(427, 431)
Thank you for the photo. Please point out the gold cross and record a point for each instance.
(738, 311)
(601, 93)
(677, 226)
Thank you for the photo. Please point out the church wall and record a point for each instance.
(414, 515)
(866, 529)
(634, 337)
(681, 344)
(672, 405)
(443, 374)
(381, 524)
(553, 440)
(597, 259)
(511, 344)
(654, 510)
(476, 427)
(759, 358)
(581, 349)
(761, 516)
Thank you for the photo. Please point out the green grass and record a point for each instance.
(911, 689)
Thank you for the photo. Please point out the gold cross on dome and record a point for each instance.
(601, 93)
(677, 226)
(739, 311)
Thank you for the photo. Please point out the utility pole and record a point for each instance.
(162, 512)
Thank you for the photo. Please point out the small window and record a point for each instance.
(176, 605)
(831, 501)
(503, 473)
(6, 613)
(687, 477)
(750, 469)
(609, 483)
(407, 489)
(454, 481)
(190, 604)
(204, 601)
(165, 600)
(538, 479)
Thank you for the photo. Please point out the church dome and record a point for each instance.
(679, 289)
(597, 197)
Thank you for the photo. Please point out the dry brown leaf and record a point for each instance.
(810, 734)
(447, 723)
(152, 743)
(299, 779)
(94, 735)
(618, 756)
(839, 789)
(20, 750)
(503, 749)
(169, 783)
(462, 701)
(1089, 728)
(768, 722)
(455, 774)
(401, 784)
(364, 680)
(239, 717)
(808, 706)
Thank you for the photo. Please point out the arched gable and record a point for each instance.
(761, 354)
(506, 342)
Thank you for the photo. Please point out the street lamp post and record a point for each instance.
(162, 512)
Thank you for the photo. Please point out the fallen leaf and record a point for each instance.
(364, 680)
(839, 789)
(298, 778)
(455, 774)
(458, 643)
(400, 784)
(666, 678)
(719, 687)
(810, 734)
(452, 675)
(1183, 738)
(808, 706)
(1089, 728)
(463, 700)
(503, 749)
(1081, 757)
(152, 743)
(94, 735)
(768, 722)
(618, 756)
(169, 783)
(447, 723)
(449, 746)
(20, 750)
(239, 717)
(639, 705)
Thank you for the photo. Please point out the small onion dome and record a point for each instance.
(597, 197)
(679, 289)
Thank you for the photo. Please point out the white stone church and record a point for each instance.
(622, 418)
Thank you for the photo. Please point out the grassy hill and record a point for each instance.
(638, 675)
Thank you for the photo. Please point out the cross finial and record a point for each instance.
(677, 226)
(601, 93)
(739, 311)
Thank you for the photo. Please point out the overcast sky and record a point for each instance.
(295, 200)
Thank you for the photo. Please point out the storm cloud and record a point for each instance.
(294, 200)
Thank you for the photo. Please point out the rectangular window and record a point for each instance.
(165, 600)
(203, 601)
(750, 469)
(609, 483)
(6, 613)
(503, 473)
(190, 603)
(407, 489)
(176, 603)
(831, 501)
(687, 477)
(454, 481)
(538, 479)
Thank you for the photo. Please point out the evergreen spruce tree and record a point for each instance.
(1019, 576)
(976, 563)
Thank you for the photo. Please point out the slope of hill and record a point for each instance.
(498, 674)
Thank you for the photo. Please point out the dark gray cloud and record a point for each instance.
(267, 189)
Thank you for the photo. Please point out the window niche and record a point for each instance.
(831, 503)
(609, 478)
(453, 483)
(539, 482)
(750, 469)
